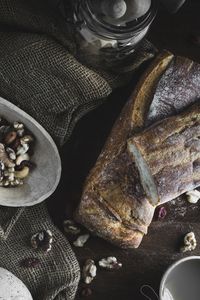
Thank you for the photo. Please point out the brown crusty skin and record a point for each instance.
(113, 204)
(171, 151)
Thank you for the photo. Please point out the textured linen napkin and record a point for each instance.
(57, 275)
(39, 73)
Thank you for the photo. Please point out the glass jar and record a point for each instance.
(105, 39)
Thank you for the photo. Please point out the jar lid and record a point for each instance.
(119, 12)
(95, 14)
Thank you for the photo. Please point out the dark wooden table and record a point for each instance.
(161, 246)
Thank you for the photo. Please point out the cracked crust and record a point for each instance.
(169, 164)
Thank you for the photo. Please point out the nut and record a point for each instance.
(10, 137)
(6, 183)
(6, 173)
(17, 182)
(70, 227)
(21, 158)
(4, 157)
(11, 153)
(26, 139)
(11, 177)
(14, 150)
(23, 173)
(3, 121)
(162, 212)
(15, 144)
(42, 240)
(20, 132)
(193, 196)
(14, 183)
(81, 240)
(190, 242)
(25, 163)
(110, 263)
(31, 262)
(22, 149)
(4, 130)
(2, 166)
(89, 271)
(1, 173)
(18, 125)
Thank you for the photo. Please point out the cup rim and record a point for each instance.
(172, 267)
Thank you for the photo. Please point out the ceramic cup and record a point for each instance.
(182, 280)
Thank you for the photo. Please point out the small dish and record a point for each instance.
(181, 280)
(43, 180)
(12, 287)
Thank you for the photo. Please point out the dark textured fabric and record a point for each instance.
(39, 73)
(57, 276)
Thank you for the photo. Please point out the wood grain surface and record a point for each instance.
(161, 246)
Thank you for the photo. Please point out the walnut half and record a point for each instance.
(190, 242)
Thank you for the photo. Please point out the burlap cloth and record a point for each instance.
(57, 276)
(38, 72)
